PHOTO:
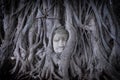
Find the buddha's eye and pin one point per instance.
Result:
(90, 25)
(64, 38)
(56, 40)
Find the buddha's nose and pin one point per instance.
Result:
(61, 43)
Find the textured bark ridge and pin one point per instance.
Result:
(91, 52)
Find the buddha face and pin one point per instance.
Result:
(59, 42)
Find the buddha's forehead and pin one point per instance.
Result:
(61, 30)
(60, 35)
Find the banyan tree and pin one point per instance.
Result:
(30, 30)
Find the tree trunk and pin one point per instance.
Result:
(91, 52)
